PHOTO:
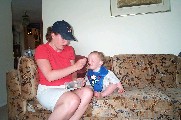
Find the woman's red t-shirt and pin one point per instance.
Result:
(58, 60)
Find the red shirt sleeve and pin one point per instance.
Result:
(72, 53)
(41, 52)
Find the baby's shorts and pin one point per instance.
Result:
(48, 95)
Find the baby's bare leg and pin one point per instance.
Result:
(121, 89)
(110, 89)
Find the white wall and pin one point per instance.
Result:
(96, 30)
(6, 46)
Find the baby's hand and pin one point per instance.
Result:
(120, 91)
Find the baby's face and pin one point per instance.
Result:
(94, 62)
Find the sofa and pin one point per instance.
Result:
(152, 84)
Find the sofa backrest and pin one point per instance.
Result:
(141, 70)
(108, 62)
(178, 76)
(28, 76)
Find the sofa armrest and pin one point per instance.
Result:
(27, 69)
(16, 105)
(13, 84)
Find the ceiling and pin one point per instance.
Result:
(33, 8)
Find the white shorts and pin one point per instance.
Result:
(48, 95)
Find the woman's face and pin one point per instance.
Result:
(94, 62)
(59, 42)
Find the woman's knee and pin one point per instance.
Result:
(87, 92)
(69, 100)
(74, 101)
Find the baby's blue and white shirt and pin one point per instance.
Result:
(101, 80)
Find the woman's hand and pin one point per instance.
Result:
(80, 63)
(83, 81)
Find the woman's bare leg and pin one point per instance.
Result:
(85, 94)
(65, 107)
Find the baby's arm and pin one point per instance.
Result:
(114, 80)
(121, 89)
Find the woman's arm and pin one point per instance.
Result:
(74, 74)
(52, 75)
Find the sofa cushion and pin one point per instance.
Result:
(16, 108)
(135, 103)
(41, 115)
(175, 96)
(34, 106)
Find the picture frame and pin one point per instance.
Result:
(138, 9)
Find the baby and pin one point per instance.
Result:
(102, 80)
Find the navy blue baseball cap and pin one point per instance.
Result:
(64, 29)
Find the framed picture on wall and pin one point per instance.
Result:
(121, 8)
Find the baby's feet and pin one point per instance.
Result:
(121, 91)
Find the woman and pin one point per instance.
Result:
(55, 61)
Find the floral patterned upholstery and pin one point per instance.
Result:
(152, 89)
(152, 83)
(178, 75)
(22, 87)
